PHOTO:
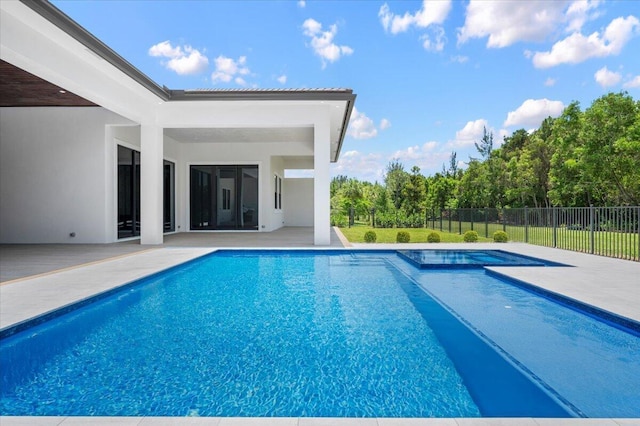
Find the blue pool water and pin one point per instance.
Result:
(445, 259)
(321, 334)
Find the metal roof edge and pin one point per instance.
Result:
(80, 34)
(263, 95)
(345, 125)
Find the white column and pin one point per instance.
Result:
(151, 176)
(321, 179)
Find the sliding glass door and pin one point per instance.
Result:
(168, 196)
(129, 193)
(224, 197)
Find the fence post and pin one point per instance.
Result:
(554, 224)
(449, 220)
(591, 229)
(526, 224)
(459, 223)
(440, 219)
(373, 217)
(351, 219)
(504, 221)
(486, 222)
(638, 225)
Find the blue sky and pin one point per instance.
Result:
(429, 75)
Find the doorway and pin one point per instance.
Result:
(224, 197)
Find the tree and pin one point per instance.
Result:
(474, 187)
(413, 192)
(610, 152)
(395, 180)
(442, 192)
(567, 183)
(486, 144)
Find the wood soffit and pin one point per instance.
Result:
(19, 88)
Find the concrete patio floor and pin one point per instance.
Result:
(23, 260)
(55, 276)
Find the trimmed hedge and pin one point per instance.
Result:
(500, 237)
(470, 237)
(403, 237)
(433, 237)
(370, 237)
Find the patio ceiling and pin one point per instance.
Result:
(18, 88)
(235, 135)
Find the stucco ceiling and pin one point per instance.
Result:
(209, 135)
(19, 88)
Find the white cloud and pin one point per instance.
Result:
(508, 22)
(427, 157)
(634, 82)
(415, 153)
(472, 132)
(302, 4)
(459, 59)
(527, 20)
(322, 41)
(369, 167)
(384, 124)
(533, 111)
(580, 12)
(578, 48)
(282, 79)
(606, 78)
(183, 60)
(361, 126)
(431, 12)
(549, 82)
(228, 69)
(434, 43)
(165, 49)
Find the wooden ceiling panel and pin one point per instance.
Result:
(19, 88)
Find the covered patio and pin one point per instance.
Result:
(18, 261)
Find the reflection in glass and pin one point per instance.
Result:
(224, 197)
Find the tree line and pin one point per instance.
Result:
(578, 159)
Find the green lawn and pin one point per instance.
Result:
(611, 244)
(355, 234)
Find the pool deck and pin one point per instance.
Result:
(39, 279)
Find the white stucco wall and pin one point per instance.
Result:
(53, 174)
(297, 201)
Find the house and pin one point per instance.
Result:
(93, 151)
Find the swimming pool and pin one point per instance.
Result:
(317, 334)
(447, 259)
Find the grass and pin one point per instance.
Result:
(611, 244)
(355, 234)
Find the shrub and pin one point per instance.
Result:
(500, 237)
(403, 237)
(370, 237)
(339, 220)
(384, 220)
(470, 237)
(433, 237)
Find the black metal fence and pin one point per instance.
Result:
(606, 231)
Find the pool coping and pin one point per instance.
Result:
(138, 267)
(311, 421)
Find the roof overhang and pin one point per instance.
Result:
(40, 39)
